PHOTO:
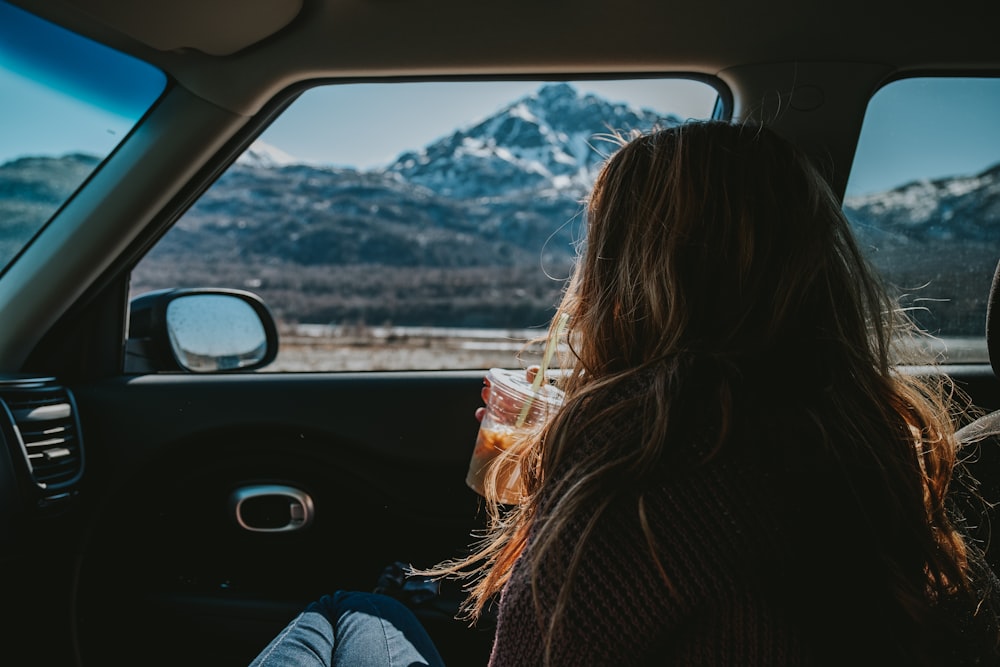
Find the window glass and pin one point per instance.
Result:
(412, 225)
(67, 102)
(924, 197)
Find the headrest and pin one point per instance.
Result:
(993, 322)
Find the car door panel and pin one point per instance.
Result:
(382, 456)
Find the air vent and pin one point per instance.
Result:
(45, 425)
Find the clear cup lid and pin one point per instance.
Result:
(516, 383)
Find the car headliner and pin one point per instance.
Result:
(282, 41)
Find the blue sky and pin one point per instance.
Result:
(919, 128)
(927, 128)
(368, 125)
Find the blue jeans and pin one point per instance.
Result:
(355, 629)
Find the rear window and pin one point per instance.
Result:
(924, 198)
(413, 225)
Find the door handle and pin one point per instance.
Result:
(271, 508)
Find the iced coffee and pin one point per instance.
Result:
(516, 410)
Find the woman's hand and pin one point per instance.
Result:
(485, 393)
(530, 372)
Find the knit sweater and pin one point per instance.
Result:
(746, 582)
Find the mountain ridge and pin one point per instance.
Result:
(498, 203)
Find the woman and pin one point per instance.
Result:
(738, 475)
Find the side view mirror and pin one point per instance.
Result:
(199, 330)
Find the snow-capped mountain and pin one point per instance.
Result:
(935, 242)
(263, 154)
(963, 208)
(552, 141)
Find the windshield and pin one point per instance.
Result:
(67, 103)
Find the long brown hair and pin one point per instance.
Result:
(717, 257)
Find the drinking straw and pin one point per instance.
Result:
(536, 384)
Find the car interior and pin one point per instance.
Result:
(179, 475)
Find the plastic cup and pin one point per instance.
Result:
(503, 425)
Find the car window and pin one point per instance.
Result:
(924, 198)
(67, 103)
(412, 225)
